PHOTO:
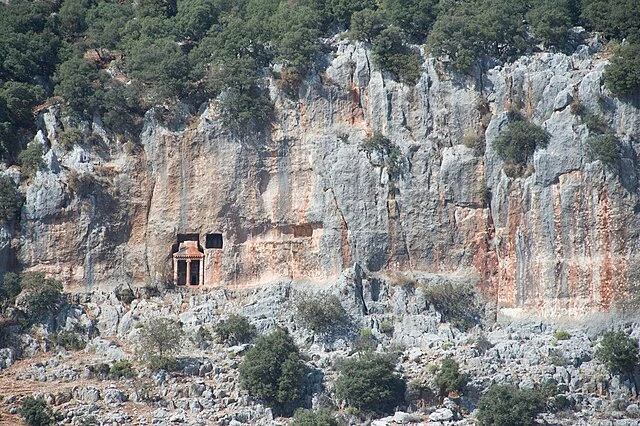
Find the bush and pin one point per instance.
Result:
(622, 75)
(604, 147)
(519, 140)
(31, 159)
(69, 138)
(159, 337)
(121, 368)
(449, 378)
(506, 405)
(319, 417)
(44, 295)
(69, 340)
(366, 341)
(456, 303)
(618, 352)
(273, 372)
(320, 313)
(10, 199)
(235, 330)
(386, 327)
(166, 363)
(99, 371)
(370, 384)
(561, 335)
(387, 150)
(9, 288)
(36, 412)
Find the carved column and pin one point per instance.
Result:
(175, 271)
(188, 272)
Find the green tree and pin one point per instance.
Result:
(78, 82)
(618, 352)
(36, 412)
(366, 25)
(340, 11)
(321, 314)
(392, 53)
(43, 295)
(550, 21)
(9, 288)
(160, 336)
(273, 371)
(604, 147)
(622, 74)
(10, 199)
(506, 405)
(161, 65)
(449, 379)
(415, 17)
(31, 159)
(235, 330)
(517, 142)
(369, 383)
(465, 31)
(617, 19)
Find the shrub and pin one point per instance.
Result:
(456, 303)
(604, 147)
(36, 412)
(370, 384)
(166, 363)
(125, 295)
(387, 150)
(10, 199)
(31, 159)
(69, 340)
(320, 313)
(159, 337)
(618, 352)
(519, 140)
(449, 379)
(506, 405)
(595, 122)
(99, 371)
(319, 417)
(9, 288)
(202, 336)
(366, 341)
(69, 138)
(235, 330)
(273, 372)
(121, 368)
(386, 326)
(561, 335)
(622, 75)
(44, 295)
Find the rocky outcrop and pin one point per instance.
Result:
(304, 201)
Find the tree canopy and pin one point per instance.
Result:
(117, 59)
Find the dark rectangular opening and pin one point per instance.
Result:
(182, 272)
(195, 272)
(213, 241)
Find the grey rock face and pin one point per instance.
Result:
(304, 201)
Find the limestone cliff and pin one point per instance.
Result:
(305, 201)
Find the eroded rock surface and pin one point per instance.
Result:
(304, 201)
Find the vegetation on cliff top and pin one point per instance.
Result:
(116, 59)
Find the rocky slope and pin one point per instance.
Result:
(304, 201)
(205, 390)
